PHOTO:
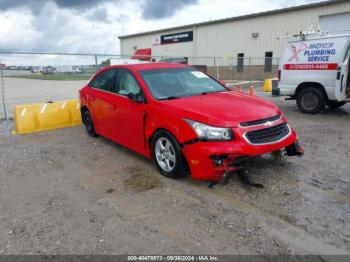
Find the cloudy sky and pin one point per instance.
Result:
(93, 26)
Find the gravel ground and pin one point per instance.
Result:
(62, 192)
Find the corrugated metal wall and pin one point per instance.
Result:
(230, 38)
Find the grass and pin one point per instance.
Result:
(141, 180)
(59, 77)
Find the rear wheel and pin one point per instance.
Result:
(311, 100)
(89, 124)
(335, 104)
(166, 154)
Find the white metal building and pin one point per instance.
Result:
(253, 35)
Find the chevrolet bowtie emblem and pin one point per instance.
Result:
(268, 123)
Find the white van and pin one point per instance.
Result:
(315, 72)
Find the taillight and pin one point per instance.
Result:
(279, 75)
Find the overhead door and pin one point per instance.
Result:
(336, 22)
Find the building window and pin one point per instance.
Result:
(240, 62)
(268, 61)
(186, 59)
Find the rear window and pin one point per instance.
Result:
(104, 81)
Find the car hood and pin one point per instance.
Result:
(225, 109)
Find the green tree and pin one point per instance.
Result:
(106, 62)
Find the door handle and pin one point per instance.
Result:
(341, 83)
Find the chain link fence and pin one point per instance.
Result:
(40, 77)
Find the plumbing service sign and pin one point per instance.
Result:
(311, 56)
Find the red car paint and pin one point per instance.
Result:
(132, 124)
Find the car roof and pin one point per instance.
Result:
(150, 66)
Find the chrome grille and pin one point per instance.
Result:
(268, 135)
(260, 122)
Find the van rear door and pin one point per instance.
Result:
(342, 79)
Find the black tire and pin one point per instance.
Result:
(311, 100)
(177, 168)
(89, 124)
(335, 104)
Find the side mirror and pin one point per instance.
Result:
(135, 98)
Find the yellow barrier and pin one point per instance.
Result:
(267, 87)
(46, 116)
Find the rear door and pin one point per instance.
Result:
(100, 101)
(342, 82)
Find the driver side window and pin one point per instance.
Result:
(127, 84)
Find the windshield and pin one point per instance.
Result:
(179, 82)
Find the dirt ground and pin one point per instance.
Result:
(62, 192)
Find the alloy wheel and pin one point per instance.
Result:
(165, 154)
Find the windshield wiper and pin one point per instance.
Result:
(212, 92)
(169, 98)
(202, 93)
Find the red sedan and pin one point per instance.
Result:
(183, 119)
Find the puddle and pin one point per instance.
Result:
(140, 180)
(340, 198)
(110, 190)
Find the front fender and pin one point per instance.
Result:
(175, 125)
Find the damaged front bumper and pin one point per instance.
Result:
(295, 149)
(213, 161)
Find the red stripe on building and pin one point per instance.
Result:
(310, 66)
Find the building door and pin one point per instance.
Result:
(240, 62)
(336, 22)
(268, 61)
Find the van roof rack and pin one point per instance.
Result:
(304, 34)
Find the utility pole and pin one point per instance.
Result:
(96, 63)
(2, 87)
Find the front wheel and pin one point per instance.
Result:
(311, 100)
(166, 154)
(335, 104)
